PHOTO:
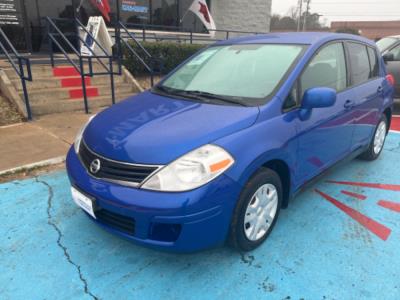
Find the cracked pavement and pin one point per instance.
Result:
(49, 249)
(60, 236)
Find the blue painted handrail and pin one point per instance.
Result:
(53, 32)
(18, 67)
(147, 55)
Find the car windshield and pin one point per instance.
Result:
(245, 73)
(385, 43)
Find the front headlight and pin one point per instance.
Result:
(79, 135)
(192, 170)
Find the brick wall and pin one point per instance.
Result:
(242, 15)
(370, 29)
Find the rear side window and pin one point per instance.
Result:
(326, 69)
(359, 62)
(373, 60)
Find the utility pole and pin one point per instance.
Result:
(306, 15)
(300, 8)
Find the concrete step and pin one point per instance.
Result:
(58, 94)
(47, 70)
(75, 104)
(60, 89)
(58, 82)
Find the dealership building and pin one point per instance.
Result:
(24, 23)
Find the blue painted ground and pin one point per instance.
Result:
(50, 250)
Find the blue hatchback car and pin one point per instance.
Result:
(221, 144)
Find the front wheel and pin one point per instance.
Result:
(257, 210)
(378, 141)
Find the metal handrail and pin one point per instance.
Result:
(98, 57)
(79, 24)
(190, 32)
(183, 29)
(54, 40)
(19, 69)
(80, 69)
(150, 69)
(134, 39)
(137, 56)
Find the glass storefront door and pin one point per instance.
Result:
(13, 22)
(37, 10)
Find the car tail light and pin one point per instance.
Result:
(390, 79)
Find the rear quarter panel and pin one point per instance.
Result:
(389, 91)
(393, 67)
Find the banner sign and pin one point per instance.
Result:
(138, 8)
(133, 6)
(98, 29)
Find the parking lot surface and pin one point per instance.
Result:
(339, 239)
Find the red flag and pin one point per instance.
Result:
(104, 7)
(200, 9)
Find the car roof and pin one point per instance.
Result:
(393, 36)
(308, 38)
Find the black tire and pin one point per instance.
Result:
(237, 236)
(370, 154)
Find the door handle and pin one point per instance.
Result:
(348, 104)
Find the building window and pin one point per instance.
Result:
(161, 13)
(164, 12)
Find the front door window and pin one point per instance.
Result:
(327, 69)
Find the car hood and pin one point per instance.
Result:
(153, 129)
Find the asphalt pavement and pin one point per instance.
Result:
(339, 239)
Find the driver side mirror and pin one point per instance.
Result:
(318, 97)
(388, 57)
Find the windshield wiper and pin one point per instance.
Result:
(197, 95)
(164, 89)
(172, 92)
(212, 96)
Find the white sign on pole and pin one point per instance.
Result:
(98, 29)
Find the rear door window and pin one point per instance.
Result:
(359, 62)
(373, 60)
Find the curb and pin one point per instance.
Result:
(12, 125)
(43, 163)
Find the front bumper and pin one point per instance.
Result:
(180, 222)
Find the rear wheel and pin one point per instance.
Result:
(378, 141)
(257, 210)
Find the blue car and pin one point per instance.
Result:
(215, 150)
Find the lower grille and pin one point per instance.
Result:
(116, 221)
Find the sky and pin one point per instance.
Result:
(342, 10)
